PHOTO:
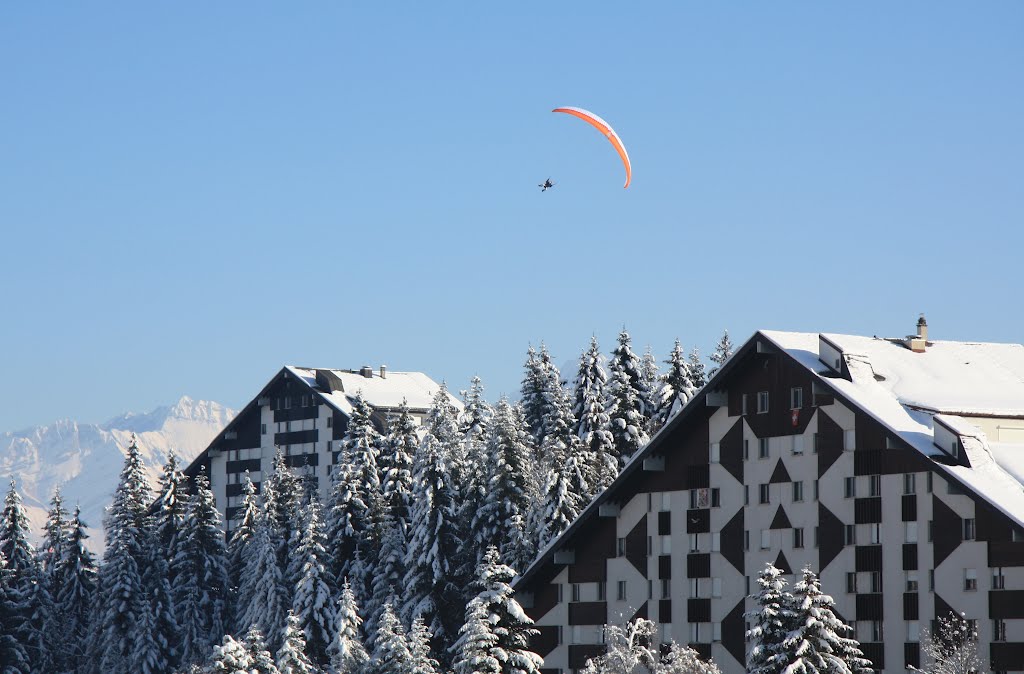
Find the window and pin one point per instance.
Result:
(650, 545)
(577, 634)
(969, 529)
(601, 591)
(798, 492)
(851, 583)
(998, 630)
(913, 631)
(666, 500)
(970, 580)
(764, 493)
(716, 497)
(875, 533)
(746, 585)
(650, 589)
(762, 448)
(715, 451)
(998, 579)
(798, 444)
(909, 483)
(716, 587)
(798, 538)
(910, 532)
(928, 483)
(849, 534)
(620, 547)
(716, 631)
(664, 633)
(716, 542)
(666, 545)
(766, 539)
(693, 499)
(746, 541)
(694, 633)
(746, 449)
(911, 581)
(666, 588)
(694, 542)
(849, 440)
(560, 594)
(695, 588)
(330, 421)
(815, 443)
(796, 398)
(875, 632)
(815, 490)
(850, 487)
(263, 429)
(874, 485)
(931, 527)
(744, 410)
(815, 536)
(650, 501)
(746, 494)
(620, 590)
(762, 402)
(931, 580)
(876, 581)
(575, 591)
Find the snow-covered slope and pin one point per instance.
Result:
(86, 459)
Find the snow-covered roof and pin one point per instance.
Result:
(949, 383)
(416, 388)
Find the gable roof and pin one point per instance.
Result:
(898, 388)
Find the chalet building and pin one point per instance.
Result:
(305, 412)
(892, 467)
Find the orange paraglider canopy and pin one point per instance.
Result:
(609, 133)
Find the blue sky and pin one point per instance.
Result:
(195, 194)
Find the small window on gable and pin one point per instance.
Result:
(743, 404)
(762, 402)
(796, 398)
(715, 452)
(849, 440)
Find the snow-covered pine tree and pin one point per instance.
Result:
(676, 385)
(76, 598)
(256, 647)
(816, 643)
(555, 409)
(396, 465)
(509, 624)
(312, 606)
(148, 657)
(650, 389)
(13, 656)
(532, 392)
(627, 422)
(264, 598)
(391, 654)
(389, 571)
(772, 620)
(356, 501)
(566, 494)
(697, 372)
(201, 570)
(129, 532)
(55, 536)
(723, 350)
(593, 425)
(502, 518)
(292, 658)
(230, 657)
(158, 643)
(476, 641)
(238, 548)
(348, 655)
(474, 428)
(475, 418)
(419, 648)
(433, 545)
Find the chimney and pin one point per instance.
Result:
(917, 343)
(383, 371)
(366, 371)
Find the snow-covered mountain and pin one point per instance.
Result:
(86, 459)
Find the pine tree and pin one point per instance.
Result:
(201, 570)
(231, 657)
(256, 647)
(292, 658)
(312, 606)
(773, 620)
(723, 350)
(650, 389)
(389, 571)
(13, 656)
(391, 654)
(566, 494)
(433, 546)
(55, 536)
(121, 592)
(628, 426)
(593, 425)
(157, 644)
(474, 427)
(532, 393)
(419, 649)
(265, 599)
(238, 549)
(697, 374)
(816, 644)
(677, 385)
(356, 501)
(509, 626)
(76, 597)
(348, 655)
(510, 491)
(396, 465)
